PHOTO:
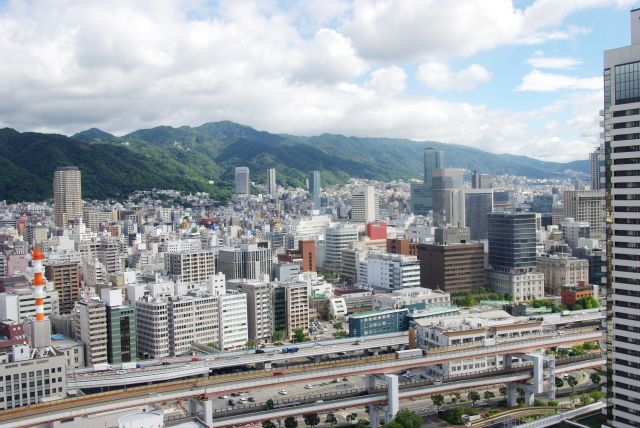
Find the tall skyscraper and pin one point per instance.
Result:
(314, 189)
(433, 159)
(622, 148)
(67, 195)
(448, 197)
(587, 205)
(272, 188)
(596, 166)
(365, 205)
(478, 203)
(242, 180)
(421, 193)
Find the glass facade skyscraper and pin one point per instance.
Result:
(512, 242)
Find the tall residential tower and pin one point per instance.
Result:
(67, 198)
(622, 151)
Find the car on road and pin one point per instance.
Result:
(437, 382)
(283, 392)
(231, 403)
(308, 386)
(243, 400)
(251, 399)
(223, 397)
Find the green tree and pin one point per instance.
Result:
(278, 336)
(337, 325)
(362, 424)
(290, 422)
(331, 419)
(394, 424)
(469, 300)
(311, 419)
(503, 391)
(585, 399)
(268, 424)
(438, 400)
(572, 381)
(595, 378)
(573, 397)
(596, 395)
(269, 404)
(351, 417)
(408, 419)
(488, 395)
(340, 334)
(299, 335)
(559, 382)
(589, 346)
(473, 396)
(250, 344)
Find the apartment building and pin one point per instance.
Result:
(90, 321)
(190, 267)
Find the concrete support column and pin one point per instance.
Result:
(393, 397)
(192, 406)
(374, 416)
(550, 372)
(512, 394)
(207, 413)
(316, 359)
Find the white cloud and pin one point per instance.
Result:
(388, 81)
(438, 76)
(66, 68)
(392, 30)
(553, 62)
(538, 81)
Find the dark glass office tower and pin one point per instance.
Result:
(512, 242)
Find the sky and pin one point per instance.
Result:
(518, 77)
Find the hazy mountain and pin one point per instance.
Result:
(203, 158)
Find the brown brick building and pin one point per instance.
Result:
(453, 267)
(401, 246)
(66, 281)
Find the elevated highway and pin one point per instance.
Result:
(223, 384)
(82, 379)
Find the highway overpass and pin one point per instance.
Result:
(223, 384)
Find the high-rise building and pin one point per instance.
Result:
(433, 159)
(512, 256)
(232, 313)
(307, 250)
(478, 203)
(272, 187)
(121, 327)
(290, 307)
(448, 197)
(66, 281)
(481, 181)
(455, 267)
(245, 262)
(259, 307)
(152, 327)
(337, 239)
(191, 266)
(90, 320)
(365, 205)
(596, 166)
(67, 195)
(392, 271)
(242, 180)
(314, 189)
(421, 193)
(587, 205)
(622, 147)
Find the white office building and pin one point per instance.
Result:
(393, 271)
(232, 313)
(338, 238)
(365, 205)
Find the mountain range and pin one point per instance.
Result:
(203, 158)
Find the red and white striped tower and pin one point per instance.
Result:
(38, 282)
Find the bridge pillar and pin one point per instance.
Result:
(316, 359)
(537, 360)
(393, 397)
(550, 372)
(207, 413)
(374, 415)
